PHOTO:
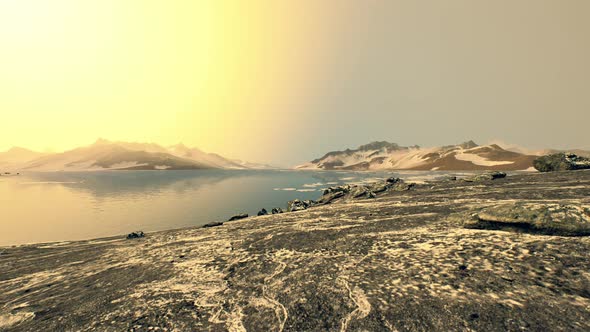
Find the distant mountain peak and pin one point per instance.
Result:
(102, 141)
(468, 145)
(378, 145)
(15, 149)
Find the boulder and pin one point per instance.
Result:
(212, 224)
(295, 205)
(329, 197)
(532, 217)
(561, 162)
(262, 212)
(485, 177)
(135, 235)
(309, 203)
(238, 216)
(338, 189)
(277, 210)
(364, 191)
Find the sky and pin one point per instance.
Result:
(284, 82)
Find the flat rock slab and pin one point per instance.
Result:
(393, 263)
(533, 217)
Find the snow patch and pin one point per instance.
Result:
(479, 160)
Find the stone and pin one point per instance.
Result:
(213, 224)
(238, 216)
(488, 176)
(277, 210)
(295, 205)
(135, 235)
(561, 162)
(536, 218)
(262, 212)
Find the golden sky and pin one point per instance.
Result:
(200, 72)
(283, 81)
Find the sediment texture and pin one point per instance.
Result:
(403, 261)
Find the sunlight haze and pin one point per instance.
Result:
(285, 81)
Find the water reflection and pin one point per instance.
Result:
(63, 206)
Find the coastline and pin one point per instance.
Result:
(398, 261)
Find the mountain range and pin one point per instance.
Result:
(390, 156)
(108, 155)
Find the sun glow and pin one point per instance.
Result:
(204, 72)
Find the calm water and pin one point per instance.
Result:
(64, 206)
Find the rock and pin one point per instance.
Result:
(394, 180)
(485, 177)
(262, 212)
(371, 194)
(295, 205)
(343, 189)
(561, 162)
(328, 198)
(277, 210)
(239, 216)
(529, 217)
(380, 187)
(309, 203)
(135, 235)
(212, 224)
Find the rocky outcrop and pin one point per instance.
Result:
(135, 235)
(485, 177)
(213, 224)
(277, 210)
(561, 162)
(262, 212)
(531, 217)
(238, 216)
(348, 192)
(297, 205)
(395, 263)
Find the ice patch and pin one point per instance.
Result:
(313, 185)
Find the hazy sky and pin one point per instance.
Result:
(286, 81)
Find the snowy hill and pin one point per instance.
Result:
(385, 155)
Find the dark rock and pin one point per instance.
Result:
(277, 210)
(380, 187)
(212, 224)
(359, 191)
(328, 198)
(239, 216)
(485, 177)
(309, 203)
(135, 235)
(295, 205)
(262, 212)
(338, 189)
(393, 180)
(561, 162)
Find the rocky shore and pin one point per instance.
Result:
(489, 253)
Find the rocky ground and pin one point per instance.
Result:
(422, 259)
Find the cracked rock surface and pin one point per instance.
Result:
(397, 262)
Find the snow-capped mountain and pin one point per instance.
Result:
(108, 155)
(385, 155)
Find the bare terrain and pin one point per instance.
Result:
(422, 259)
